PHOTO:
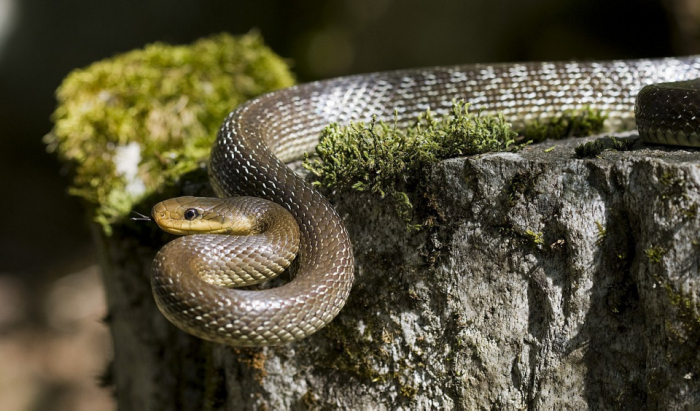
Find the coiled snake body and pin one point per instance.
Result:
(192, 274)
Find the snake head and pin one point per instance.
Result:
(200, 215)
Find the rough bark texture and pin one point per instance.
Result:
(546, 282)
(156, 366)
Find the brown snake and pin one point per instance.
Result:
(192, 274)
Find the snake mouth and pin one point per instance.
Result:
(169, 224)
(162, 218)
(176, 231)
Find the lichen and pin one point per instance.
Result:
(132, 123)
(594, 148)
(254, 359)
(570, 123)
(387, 160)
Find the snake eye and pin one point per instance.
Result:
(191, 214)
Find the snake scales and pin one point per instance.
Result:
(192, 274)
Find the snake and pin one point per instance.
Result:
(267, 216)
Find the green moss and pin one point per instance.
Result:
(687, 321)
(602, 233)
(570, 123)
(668, 178)
(673, 189)
(388, 161)
(593, 149)
(132, 123)
(687, 315)
(678, 300)
(536, 238)
(655, 254)
(408, 391)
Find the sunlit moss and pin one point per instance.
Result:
(536, 238)
(386, 159)
(128, 124)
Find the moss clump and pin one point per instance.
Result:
(409, 391)
(131, 123)
(389, 161)
(536, 238)
(571, 123)
(655, 254)
(593, 149)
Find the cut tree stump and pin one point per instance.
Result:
(545, 282)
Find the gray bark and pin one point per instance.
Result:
(547, 282)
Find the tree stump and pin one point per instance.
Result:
(547, 282)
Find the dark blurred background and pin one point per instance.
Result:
(44, 240)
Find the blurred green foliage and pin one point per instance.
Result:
(570, 123)
(129, 124)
